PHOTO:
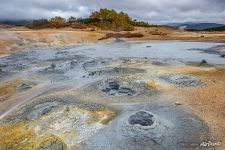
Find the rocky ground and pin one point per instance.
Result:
(80, 98)
(17, 38)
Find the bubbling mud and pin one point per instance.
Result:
(117, 86)
(142, 118)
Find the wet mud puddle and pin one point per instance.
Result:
(100, 96)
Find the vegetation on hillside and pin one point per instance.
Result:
(140, 23)
(104, 18)
(39, 24)
(122, 35)
(216, 29)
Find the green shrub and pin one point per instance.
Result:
(104, 18)
(110, 19)
(71, 20)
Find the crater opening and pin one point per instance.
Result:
(142, 118)
(114, 88)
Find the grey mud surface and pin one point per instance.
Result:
(169, 127)
(219, 50)
(109, 77)
(117, 86)
(47, 104)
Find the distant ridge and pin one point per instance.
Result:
(196, 26)
(15, 22)
(216, 29)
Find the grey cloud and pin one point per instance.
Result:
(155, 11)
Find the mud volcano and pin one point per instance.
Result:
(145, 126)
(123, 86)
(151, 127)
(182, 80)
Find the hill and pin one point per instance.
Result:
(15, 22)
(196, 26)
(216, 29)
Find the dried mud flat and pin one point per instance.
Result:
(81, 98)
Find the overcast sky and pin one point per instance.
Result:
(154, 11)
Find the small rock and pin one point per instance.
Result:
(67, 109)
(53, 65)
(25, 86)
(178, 103)
(114, 85)
(73, 63)
(3, 65)
(1, 99)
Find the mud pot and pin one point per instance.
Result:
(119, 95)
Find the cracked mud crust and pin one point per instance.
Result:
(180, 80)
(115, 71)
(72, 122)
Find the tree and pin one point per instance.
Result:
(57, 22)
(110, 19)
(72, 20)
